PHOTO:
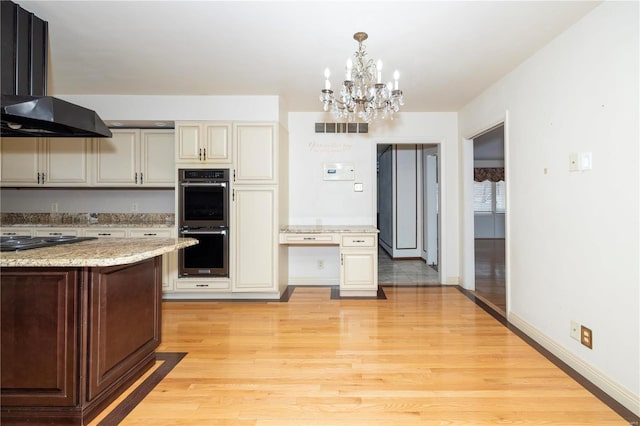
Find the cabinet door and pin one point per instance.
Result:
(66, 161)
(255, 153)
(19, 161)
(188, 135)
(255, 239)
(157, 157)
(217, 146)
(359, 269)
(40, 337)
(117, 158)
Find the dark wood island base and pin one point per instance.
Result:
(74, 338)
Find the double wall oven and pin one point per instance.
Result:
(203, 214)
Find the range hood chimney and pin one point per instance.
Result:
(26, 110)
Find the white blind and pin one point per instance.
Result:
(489, 197)
(483, 196)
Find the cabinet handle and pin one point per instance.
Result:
(103, 234)
(233, 195)
(42, 177)
(204, 155)
(38, 175)
(55, 233)
(202, 285)
(150, 234)
(358, 241)
(234, 175)
(342, 260)
(200, 154)
(141, 179)
(136, 177)
(9, 233)
(309, 238)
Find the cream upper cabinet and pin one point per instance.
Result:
(203, 142)
(157, 166)
(255, 231)
(134, 157)
(19, 161)
(66, 161)
(255, 153)
(44, 161)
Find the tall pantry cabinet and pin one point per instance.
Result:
(256, 205)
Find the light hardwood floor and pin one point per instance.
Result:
(423, 356)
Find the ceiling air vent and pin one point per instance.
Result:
(342, 127)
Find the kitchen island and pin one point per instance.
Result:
(80, 323)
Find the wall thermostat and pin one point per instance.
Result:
(339, 171)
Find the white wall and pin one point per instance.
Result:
(573, 236)
(314, 201)
(133, 107)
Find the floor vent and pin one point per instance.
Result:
(342, 127)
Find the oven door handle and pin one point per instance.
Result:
(218, 184)
(221, 232)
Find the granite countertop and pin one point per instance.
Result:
(98, 252)
(322, 229)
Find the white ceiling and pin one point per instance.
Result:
(447, 52)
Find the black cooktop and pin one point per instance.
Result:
(20, 242)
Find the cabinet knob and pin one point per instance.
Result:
(141, 179)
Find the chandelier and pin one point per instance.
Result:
(363, 95)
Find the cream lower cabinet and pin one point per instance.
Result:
(359, 265)
(254, 233)
(44, 161)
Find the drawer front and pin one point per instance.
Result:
(15, 232)
(57, 232)
(187, 284)
(358, 241)
(307, 239)
(160, 233)
(105, 233)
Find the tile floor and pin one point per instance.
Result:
(404, 271)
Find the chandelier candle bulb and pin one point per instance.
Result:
(379, 67)
(396, 77)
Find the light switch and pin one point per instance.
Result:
(358, 187)
(585, 161)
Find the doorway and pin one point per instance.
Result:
(489, 210)
(408, 214)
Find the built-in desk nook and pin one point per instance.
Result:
(358, 253)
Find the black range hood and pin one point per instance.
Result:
(26, 110)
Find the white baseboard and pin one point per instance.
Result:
(616, 391)
(313, 281)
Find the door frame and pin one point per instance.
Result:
(468, 226)
(442, 215)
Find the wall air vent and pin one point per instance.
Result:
(342, 127)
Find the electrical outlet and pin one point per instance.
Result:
(54, 207)
(586, 337)
(134, 207)
(320, 264)
(574, 332)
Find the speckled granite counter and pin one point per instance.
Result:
(99, 252)
(338, 229)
